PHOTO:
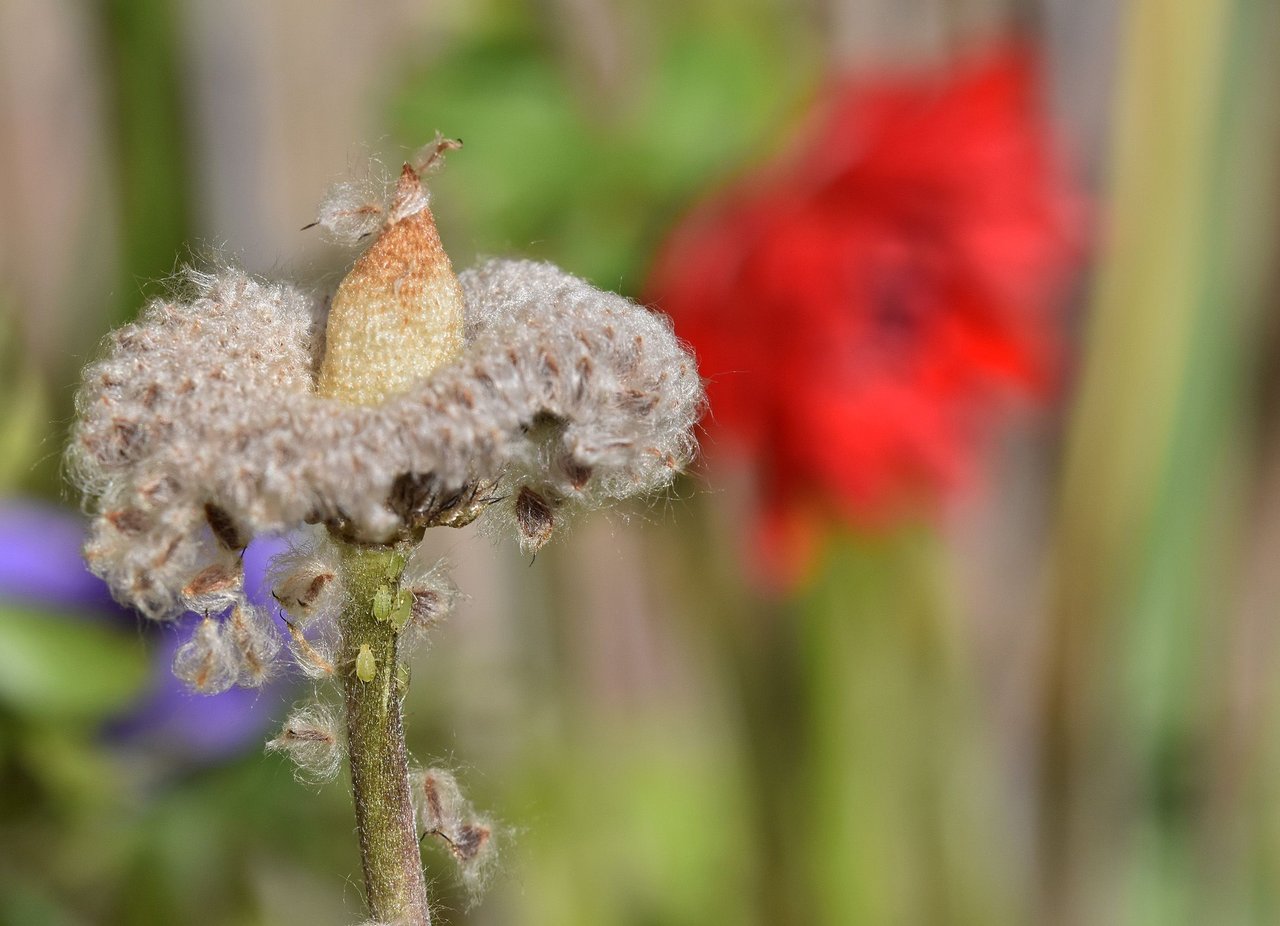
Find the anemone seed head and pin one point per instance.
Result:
(434, 401)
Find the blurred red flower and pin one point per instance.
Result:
(866, 306)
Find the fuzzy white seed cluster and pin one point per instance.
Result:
(311, 737)
(238, 649)
(446, 815)
(161, 541)
(201, 427)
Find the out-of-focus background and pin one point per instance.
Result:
(968, 613)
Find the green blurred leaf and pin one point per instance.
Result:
(143, 85)
(550, 172)
(23, 905)
(54, 666)
(24, 415)
(643, 825)
(22, 427)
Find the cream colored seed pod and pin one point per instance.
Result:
(398, 315)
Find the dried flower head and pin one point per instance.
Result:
(410, 399)
(515, 388)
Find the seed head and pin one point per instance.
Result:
(514, 392)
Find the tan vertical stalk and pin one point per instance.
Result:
(1141, 336)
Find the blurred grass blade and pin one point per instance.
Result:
(1148, 478)
(899, 795)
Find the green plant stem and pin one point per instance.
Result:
(394, 884)
(1146, 482)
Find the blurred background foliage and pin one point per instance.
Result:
(1051, 702)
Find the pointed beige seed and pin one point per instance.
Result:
(398, 315)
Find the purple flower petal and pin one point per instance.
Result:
(172, 720)
(41, 564)
(40, 561)
(201, 728)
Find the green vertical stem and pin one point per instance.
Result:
(757, 643)
(394, 884)
(762, 660)
(894, 779)
(152, 156)
(1143, 489)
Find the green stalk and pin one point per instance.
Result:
(145, 66)
(394, 884)
(1148, 485)
(892, 768)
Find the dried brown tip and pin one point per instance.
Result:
(431, 156)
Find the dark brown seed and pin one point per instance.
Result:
(124, 440)
(223, 527)
(301, 734)
(301, 591)
(535, 518)
(213, 579)
(415, 497)
(469, 841)
(312, 591)
(545, 425)
(128, 520)
(578, 474)
(421, 500)
(425, 609)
